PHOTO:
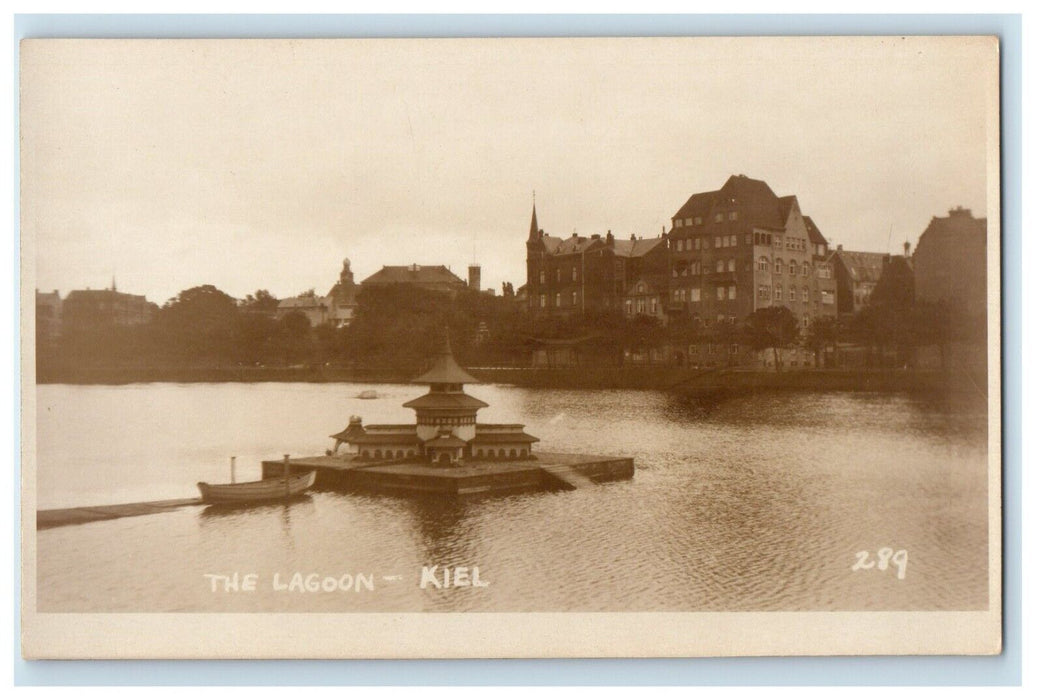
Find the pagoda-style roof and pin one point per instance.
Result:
(445, 370)
(354, 430)
(455, 400)
(386, 439)
(497, 438)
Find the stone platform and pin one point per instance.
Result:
(544, 471)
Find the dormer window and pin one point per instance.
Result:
(698, 220)
(733, 215)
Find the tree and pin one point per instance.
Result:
(260, 301)
(772, 327)
(823, 333)
(199, 324)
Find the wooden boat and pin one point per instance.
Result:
(264, 490)
(367, 394)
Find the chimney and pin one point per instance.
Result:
(906, 246)
(633, 236)
(840, 247)
(664, 230)
(609, 237)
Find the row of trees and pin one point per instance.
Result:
(400, 326)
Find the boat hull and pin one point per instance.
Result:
(264, 490)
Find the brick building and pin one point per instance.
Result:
(950, 262)
(741, 248)
(857, 274)
(581, 274)
(92, 308)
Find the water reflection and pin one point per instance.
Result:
(748, 503)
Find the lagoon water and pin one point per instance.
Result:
(757, 503)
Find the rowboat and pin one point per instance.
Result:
(264, 490)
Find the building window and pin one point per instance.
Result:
(804, 295)
(629, 305)
(762, 264)
(543, 301)
(827, 297)
(793, 267)
(678, 223)
(720, 265)
(804, 268)
(735, 349)
(718, 217)
(543, 277)
(695, 268)
(731, 265)
(733, 215)
(777, 240)
(749, 239)
(696, 293)
(716, 241)
(688, 222)
(640, 306)
(734, 241)
(824, 272)
(557, 299)
(557, 275)
(778, 266)
(792, 294)
(731, 292)
(778, 292)
(720, 293)
(695, 244)
(698, 220)
(652, 305)
(807, 321)
(575, 298)
(575, 272)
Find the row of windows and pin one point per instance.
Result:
(387, 454)
(446, 420)
(558, 300)
(763, 264)
(501, 453)
(698, 220)
(694, 267)
(557, 275)
(651, 305)
(683, 244)
(764, 292)
(695, 294)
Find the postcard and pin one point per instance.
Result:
(470, 348)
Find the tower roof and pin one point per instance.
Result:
(534, 229)
(445, 370)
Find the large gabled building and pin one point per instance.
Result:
(741, 248)
(577, 274)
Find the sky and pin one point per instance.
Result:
(263, 164)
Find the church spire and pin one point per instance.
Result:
(534, 229)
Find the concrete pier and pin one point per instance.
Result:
(77, 516)
(541, 472)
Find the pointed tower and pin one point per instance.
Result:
(534, 229)
(445, 415)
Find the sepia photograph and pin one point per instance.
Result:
(420, 348)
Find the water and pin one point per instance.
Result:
(759, 503)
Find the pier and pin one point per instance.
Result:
(543, 471)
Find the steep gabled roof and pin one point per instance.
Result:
(757, 202)
(862, 267)
(627, 248)
(813, 232)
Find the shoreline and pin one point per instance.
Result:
(676, 380)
